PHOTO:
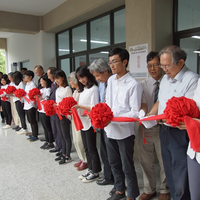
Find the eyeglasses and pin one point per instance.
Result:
(114, 62)
(154, 65)
(165, 66)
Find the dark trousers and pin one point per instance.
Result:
(120, 155)
(174, 144)
(21, 113)
(7, 111)
(63, 126)
(31, 116)
(2, 115)
(56, 134)
(89, 143)
(46, 124)
(194, 178)
(104, 157)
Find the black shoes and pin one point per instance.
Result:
(17, 129)
(104, 182)
(112, 192)
(58, 154)
(65, 160)
(59, 158)
(48, 146)
(53, 150)
(117, 196)
(44, 145)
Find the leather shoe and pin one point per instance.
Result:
(145, 196)
(82, 166)
(104, 182)
(53, 150)
(164, 196)
(78, 163)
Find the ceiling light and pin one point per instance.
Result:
(94, 41)
(198, 50)
(196, 37)
(104, 52)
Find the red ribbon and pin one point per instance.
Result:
(26, 99)
(57, 112)
(38, 103)
(77, 121)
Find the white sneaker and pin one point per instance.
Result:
(6, 126)
(21, 131)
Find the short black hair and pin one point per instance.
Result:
(24, 68)
(52, 70)
(83, 71)
(152, 55)
(29, 73)
(45, 78)
(17, 77)
(39, 67)
(123, 54)
(5, 77)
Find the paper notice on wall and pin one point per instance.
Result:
(137, 63)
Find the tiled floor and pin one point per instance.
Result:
(29, 173)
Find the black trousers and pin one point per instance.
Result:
(7, 111)
(104, 157)
(21, 113)
(46, 124)
(89, 143)
(2, 115)
(31, 116)
(56, 134)
(120, 155)
(63, 127)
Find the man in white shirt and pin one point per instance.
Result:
(123, 96)
(178, 81)
(147, 151)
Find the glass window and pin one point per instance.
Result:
(188, 14)
(63, 43)
(95, 56)
(65, 66)
(119, 26)
(189, 45)
(80, 60)
(100, 32)
(79, 38)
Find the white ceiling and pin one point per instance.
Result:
(32, 7)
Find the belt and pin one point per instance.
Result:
(167, 127)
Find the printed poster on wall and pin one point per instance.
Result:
(137, 64)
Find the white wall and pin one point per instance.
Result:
(39, 49)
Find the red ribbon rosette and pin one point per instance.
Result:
(49, 107)
(2, 91)
(33, 95)
(10, 89)
(177, 108)
(19, 93)
(65, 105)
(101, 115)
(65, 108)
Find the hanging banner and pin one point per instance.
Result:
(137, 64)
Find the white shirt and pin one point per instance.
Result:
(4, 95)
(183, 84)
(21, 86)
(123, 96)
(149, 86)
(190, 152)
(89, 97)
(45, 95)
(62, 92)
(29, 86)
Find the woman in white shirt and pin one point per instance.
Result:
(6, 104)
(45, 120)
(63, 125)
(78, 143)
(89, 96)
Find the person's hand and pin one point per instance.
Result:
(55, 104)
(107, 124)
(76, 106)
(182, 126)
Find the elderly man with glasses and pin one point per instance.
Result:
(178, 81)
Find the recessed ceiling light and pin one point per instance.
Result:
(196, 37)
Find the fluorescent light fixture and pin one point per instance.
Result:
(197, 51)
(94, 41)
(104, 52)
(196, 37)
(65, 50)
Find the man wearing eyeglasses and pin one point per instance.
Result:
(123, 96)
(147, 151)
(178, 81)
